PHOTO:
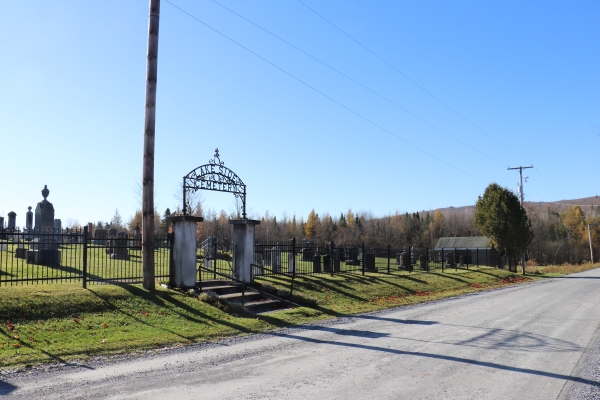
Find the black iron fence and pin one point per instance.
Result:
(28, 257)
(296, 259)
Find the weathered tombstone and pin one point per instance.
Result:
(118, 248)
(210, 252)
(305, 243)
(29, 219)
(12, 221)
(100, 237)
(1, 223)
(316, 263)
(450, 260)
(276, 265)
(398, 258)
(405, 261)
(352, 258)
(370, 262)
(423, 265)
(57, 227)
(44, 214)
(307, 254)
(291, 263)
(137, 237)
(90, 229)
(327, 263)
(337, 257)
(461, 261)
(112, 232)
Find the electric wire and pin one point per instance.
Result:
(407, 77)
(419, 86)
(323, 94)
(356, 82)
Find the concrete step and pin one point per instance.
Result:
(253, 300)
(238, 298)
(264, 305)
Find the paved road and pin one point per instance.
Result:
(523, 342)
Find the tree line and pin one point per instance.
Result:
(557, 236)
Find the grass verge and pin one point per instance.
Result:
(63, 322)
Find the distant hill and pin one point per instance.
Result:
(586, 204)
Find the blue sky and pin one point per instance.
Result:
(498, 84)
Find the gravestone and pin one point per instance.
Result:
(1, 223)
(44, 214)
(112, 232)
(210, 252)
(137, 237)
(327, 262)
(291, 263)
(307, 254)
(305, 243)
(370, 263)
(423, 264)
(29, 219)
(117, 247)
(352, 258)
(450, 260)
(316, 263)
(276, 265)
(12, 221)
(337, 258)
(57, 226)
(100, 237)
(405, 261)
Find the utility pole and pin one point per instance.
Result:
(521, 195)
(591, 250)
(148, 169)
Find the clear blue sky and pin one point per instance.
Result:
(520, 81)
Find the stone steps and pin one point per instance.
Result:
(254, 301)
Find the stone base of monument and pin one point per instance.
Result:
(44, 257)
(120, 254)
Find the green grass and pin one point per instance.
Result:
(62, 322)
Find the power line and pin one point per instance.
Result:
(356, 82)
(322, 94)
(408, 78)
(419, 86)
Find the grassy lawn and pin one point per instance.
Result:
(63, 322)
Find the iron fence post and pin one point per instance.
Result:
(388, 258)
(293, 265)
(363, 260)
(442, 259)
(85, 251)
(331, 259)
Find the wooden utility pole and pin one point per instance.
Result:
(148, 169)
(523, 264)
(591, 249)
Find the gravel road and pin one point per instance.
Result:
(531, 341)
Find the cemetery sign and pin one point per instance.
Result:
(213, 176)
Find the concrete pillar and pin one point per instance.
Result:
(183, 257)
(243, 244)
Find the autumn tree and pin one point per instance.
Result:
(500, 216)
(311, 228)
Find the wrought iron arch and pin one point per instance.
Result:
(214, 176)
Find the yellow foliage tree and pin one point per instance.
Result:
(311, 227)
(574, 222)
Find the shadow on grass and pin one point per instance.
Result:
(160, 298)
(444, 275)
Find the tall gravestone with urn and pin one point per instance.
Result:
(44, 247)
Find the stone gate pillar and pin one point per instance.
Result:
(243, 248)
(183, 258)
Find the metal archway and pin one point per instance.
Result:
(214, 176)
